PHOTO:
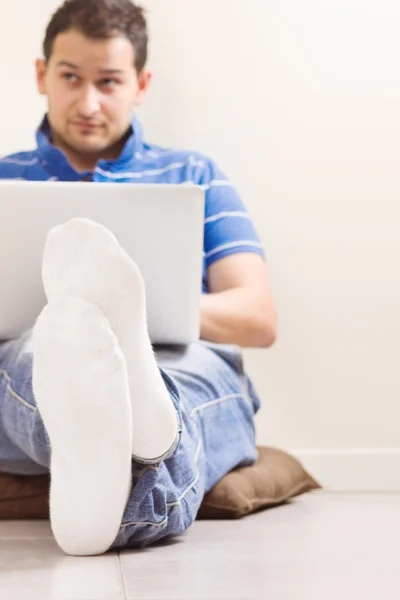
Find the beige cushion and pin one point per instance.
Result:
(274, 478)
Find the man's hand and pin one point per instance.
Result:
(239, 308)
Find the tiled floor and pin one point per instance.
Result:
(321, 547)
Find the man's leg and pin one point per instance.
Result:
(217, 405)
(98, 392)
(82, 259)
(24, 445)
(210, 392)
(217, 430)
(78, 420)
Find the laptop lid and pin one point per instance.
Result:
(161, 227)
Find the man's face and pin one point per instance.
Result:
(92, 89)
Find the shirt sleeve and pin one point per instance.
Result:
(228, 228)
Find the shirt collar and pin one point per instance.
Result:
(55, 161)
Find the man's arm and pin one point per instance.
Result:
(239, 308)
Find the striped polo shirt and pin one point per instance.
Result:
(227, 226)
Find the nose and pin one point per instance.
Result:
(89, 103)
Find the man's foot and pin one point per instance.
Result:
(83, 259)
(80, 384)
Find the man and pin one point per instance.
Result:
(133, 441)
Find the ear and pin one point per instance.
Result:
(41, 69)
(144, 80)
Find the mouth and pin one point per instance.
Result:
(86, 126)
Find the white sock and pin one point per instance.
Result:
(81, 389)
(83, 259)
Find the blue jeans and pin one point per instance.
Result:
(216, 404)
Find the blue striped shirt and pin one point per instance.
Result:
(227, 226)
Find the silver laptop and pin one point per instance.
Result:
(160, 227)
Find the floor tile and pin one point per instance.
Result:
(317, 548)
(38, 570)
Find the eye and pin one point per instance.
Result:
(109, 83)
(70, 77)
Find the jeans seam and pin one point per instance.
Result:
(244, 396)
(178, 502)
(148, 468)
(216, 401)
(163, 522)
(14, 394)
(169, 505)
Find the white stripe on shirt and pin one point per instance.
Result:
(223, 215)
(154, 154)
(16, 161)
(233, 245)
(133, 175)
(25, 179)
(217, 183)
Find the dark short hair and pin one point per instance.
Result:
(101, 19)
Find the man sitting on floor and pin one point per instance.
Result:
(133, 438)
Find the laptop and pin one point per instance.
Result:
(160, 226)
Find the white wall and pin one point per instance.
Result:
(298, 100)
